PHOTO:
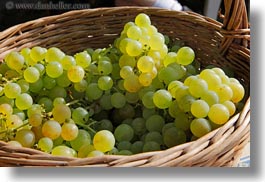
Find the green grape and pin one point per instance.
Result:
(146, 113)
(179, 69)
(126, 60)
(69, 131)
(105, 102)
(230, 106)
(155, 123)
(198, 87)
(128, 25)
(36, 86)
(151, 29)
(124, 145)
(83, 138)
(167, 75)
(200, 108)
(173, 86)
(148, 100)
(83, 59)
(12, 90)
(31, 74)
(93, 91)
(238, 92)
(51, 129)
(54, 54)
(132, 98)
(54, 69)
(191, 69)
(62, 151)
(124, 132)
(185, 102)
(104, 141)
(75, 73)
(155, 55)
(142, 20)
(126, 72)
(14, 143)
(95, 153)
(67, 62)
(174, 109)
(105, 124)
(182, 121)
(6, 109)
(138, 125)
(13, 121)
(118, 100)
(219, 114)
(5, 100)
(105, 67)
(123, 45)
(85, 150)
(200, 127)
(156, 41)
(80, 115)
(189, 79)
(137, 147)
(224, 92)
(185, 55)
(19, 113)
(154, 136)
(63, 80)
(174, 136)
(145, 64)
(134, 32)
(213, 80)
(24, 85)
(58, 100)
(151, 146)
(49, 82)
(105, 82)
(124, 152)
(61, 113)
(128, 111)
(162, 99)
(45, 144)
(81, 86)
(210, 97)
(23, 101)
(57, 91)
(145, 79)
(170, 58)
(132, 84)
(34, 109)
(46, 103)
(35, 120)
(15, 60)
(134, 48)
(25, 137)
(115, 74)
(11, 74)
(167, 126)
(37, 53)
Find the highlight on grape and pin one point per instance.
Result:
(145, 92)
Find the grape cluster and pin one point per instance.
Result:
(143, 93)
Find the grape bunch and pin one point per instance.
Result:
(143, 93)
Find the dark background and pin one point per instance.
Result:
(12, 17)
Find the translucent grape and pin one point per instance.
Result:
(171, 57)
(148, 100)
(14, 143)
(212, 79)
(85, 150)
(126, 72)
(210, 97)
(104, 141)
(145, 64)
(51, 129)
(23, 101)
(154, 136)
(224, 92)
(198, 87)
(174, 109)
(93, 91)
(230, 106)
(105, 82)
(162, 99)
(145, 79)
(185, 102)
(134, 32)
(36, 86)
(45, 144)
(95, 153)
(200, 127)
(132, 84)
(15, 60)
(6, 109)
(75, 73)
(54, 54)
(69, 131)
(48, 82)
(67, 62)
(185, 55)
(13, 121)
(156, 41)
(199, 109)
(105, 124)
(31, 74)
(173, 86)
(25, 137)
(63, 80)
(35, 120)
(46, 103)
(37, 53)
(126, 60)
(83, 138)
(54, 69)
(218, 114)
(81, 86)
(134, 48)
(105, 67)
(61, 113)
(12, 90)
(57, 91)
(62, 151)
(142, 20)
(167, 75)
(105, 102)
(238, 91)
(83, 59)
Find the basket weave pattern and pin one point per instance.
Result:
(221, 44)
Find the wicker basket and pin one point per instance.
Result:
(222, 44)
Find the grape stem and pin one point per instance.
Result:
(86, 126)
(12, 130)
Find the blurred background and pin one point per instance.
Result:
(13, 12)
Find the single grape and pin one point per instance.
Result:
(51, 129)
(13, 121)
(23, 101)
(138, 125)
(93, 91)
(185, 55)
(198, 87)
(162, 99)
(105, 82)
(137, 147)
(37, 53)
(145, 64)
(124, 132)
(142, 20)
(155, 123)
(199, 108)
(105, 67)
(6, 109)
(83, 59)
(154, 136)
(230, 106)
(134, 48)
(80, 115)
(69, 131)
(45, 144)
(67, 62)
(46, 103)
(151, 146)
(54, 54)
(132, 84)
(104, 141)
(218, 114)
(134, 32)
(63, 151)
(61, 113)
(126, 60)
(15, 60)
(200, 127)
(12, 90)
(83, 138)
(35, 120)
(118, 100)
(85, 150)
(238, 92)
(182, 121)
(25, 137)
(31, 74)
(81, 86)
(95, 153)
(75, 73)
(148, 100)
(124, 145)
(54, 69)
(174, 136)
